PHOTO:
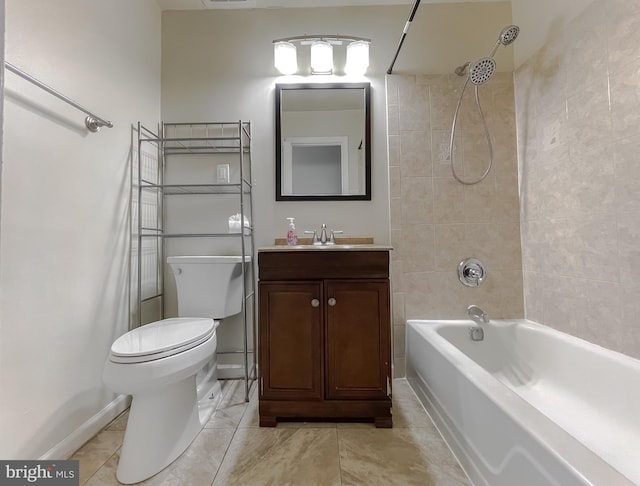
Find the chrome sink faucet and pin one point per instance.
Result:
(327, 237)
(477, 314)
(323, 235)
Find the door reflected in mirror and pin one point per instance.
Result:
(323, 139)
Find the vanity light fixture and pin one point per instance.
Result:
(321, 53)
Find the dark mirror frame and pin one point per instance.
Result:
(366, 87)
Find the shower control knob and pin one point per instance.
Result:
(471, 272)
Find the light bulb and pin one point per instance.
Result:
(357, 58)
(284, 54)
(321, 58)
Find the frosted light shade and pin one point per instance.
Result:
(321, 58)
(285, 60)
(357, 58)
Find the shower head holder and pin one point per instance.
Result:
(462, 70)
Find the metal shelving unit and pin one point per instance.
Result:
(154, 150)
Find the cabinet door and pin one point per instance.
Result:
(291, 341)
(358, 341)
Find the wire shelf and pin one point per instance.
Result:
(197, 138)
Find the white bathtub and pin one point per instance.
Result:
(528, 405)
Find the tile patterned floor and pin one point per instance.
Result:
(233, 450)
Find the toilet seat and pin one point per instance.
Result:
(161, 339)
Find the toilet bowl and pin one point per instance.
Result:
(157, 364)
(169, 366)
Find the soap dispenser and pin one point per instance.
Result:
(292, 239)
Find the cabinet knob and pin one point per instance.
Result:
(315, 303)
(332, 301)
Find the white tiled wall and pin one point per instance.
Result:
(435, 220)
(578, 111)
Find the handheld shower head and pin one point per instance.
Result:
(509, 34)
(506, 37)
(479, 72)
(482, 70)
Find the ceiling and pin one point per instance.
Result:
(242, 4)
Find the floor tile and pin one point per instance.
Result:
(233, 450)
(407, 456)
(106, 475)
(198, 465)
(97, 451)
(295, 424)
(251, 417)
(408, 411)
(281, 456)
(231, 407)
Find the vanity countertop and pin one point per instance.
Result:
(336, 247)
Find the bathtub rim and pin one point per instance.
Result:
(566, 448)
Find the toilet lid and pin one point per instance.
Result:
(161, 339)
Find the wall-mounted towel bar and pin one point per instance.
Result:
(92, 121)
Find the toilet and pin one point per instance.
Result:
(169, 366)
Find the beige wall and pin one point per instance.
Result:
(436, 221)
(64, 245)
(219, 65)
(444, 35)
(542, 20)
(578, 112)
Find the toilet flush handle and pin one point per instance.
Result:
(177, 271)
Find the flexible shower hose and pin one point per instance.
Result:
(486, 132)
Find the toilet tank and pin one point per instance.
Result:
(208, 286)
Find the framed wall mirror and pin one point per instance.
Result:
(323, 142)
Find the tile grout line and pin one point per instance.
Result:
(235, 431)
(338, 452)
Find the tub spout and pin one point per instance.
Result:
(477, 314)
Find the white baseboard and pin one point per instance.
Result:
(231, 366)
(65, 448)
(230, 371)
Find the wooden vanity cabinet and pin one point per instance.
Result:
(324, 338)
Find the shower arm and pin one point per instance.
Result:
(462, 70)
